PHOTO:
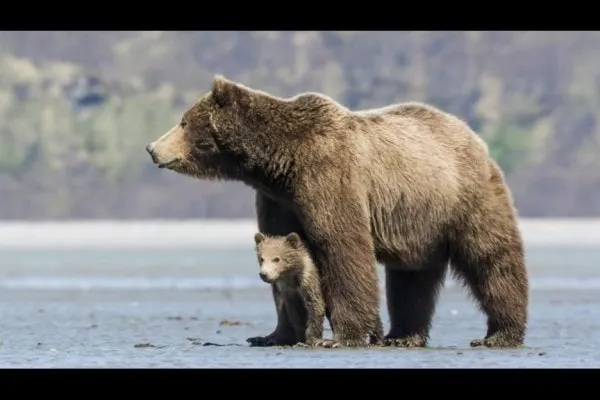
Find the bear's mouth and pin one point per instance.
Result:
(169, 163)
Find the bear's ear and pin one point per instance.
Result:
(258, 237)
(293, 239)
(226, 92)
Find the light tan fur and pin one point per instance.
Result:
(171, 144)
(408, 185)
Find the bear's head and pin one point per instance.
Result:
(237, 133)
(210, 132)
(279, 256)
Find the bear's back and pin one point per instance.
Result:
(417, 140)
(412, 156)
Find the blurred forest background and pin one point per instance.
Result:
(77, 109)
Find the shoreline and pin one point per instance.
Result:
(174, 234)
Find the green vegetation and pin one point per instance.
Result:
(532, 96)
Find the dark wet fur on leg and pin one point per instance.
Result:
(411, 299)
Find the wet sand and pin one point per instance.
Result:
(158, 328)
(179, 307)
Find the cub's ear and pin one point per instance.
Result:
(293, 239)
(226, 92)
(258, 237)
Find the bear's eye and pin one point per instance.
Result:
(276, 260)
(260, 260)
(183, 123)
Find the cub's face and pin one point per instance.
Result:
(276, 255)
(198, 144)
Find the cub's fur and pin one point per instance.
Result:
(286, 263)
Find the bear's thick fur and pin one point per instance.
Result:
(406, 185)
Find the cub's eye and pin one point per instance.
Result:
(260, 260)
(276, 260)
(183, 123)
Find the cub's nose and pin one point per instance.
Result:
(263, 276)
(150, 148)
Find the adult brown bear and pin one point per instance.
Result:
(407, 185)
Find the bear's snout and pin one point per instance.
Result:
(264, 277)
(168, 149)
(150, 149)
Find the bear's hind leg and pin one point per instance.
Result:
(489, 258)
(411, 300)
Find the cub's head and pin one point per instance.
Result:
(219, 126)
(278, 255)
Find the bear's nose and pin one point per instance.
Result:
(150, 148)
(263, 276)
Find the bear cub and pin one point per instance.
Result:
(286, 262)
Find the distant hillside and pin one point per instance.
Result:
(77, 108)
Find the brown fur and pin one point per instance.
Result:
(407, 185)
(286, 264)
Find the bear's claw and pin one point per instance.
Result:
(301, 345)
(499, 340)
(335, 344)
(405, 342)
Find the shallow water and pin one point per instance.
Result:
(142, 308)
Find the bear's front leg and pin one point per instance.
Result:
(273, 219)
(284, 334)
(337, 230)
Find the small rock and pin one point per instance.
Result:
(543, 353)
(176, 318)
(227, 322)
(218, 332)
(143, 345)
